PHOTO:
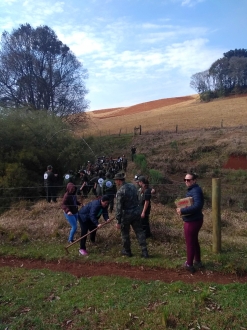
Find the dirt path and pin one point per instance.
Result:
(85, 269)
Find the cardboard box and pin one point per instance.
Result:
(184, 202)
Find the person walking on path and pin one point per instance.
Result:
(193, 220)
(88, 217)
(128, 215)
(133, 152)
(70, 209)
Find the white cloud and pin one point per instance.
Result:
(186, 58)
(8, 2)
(191, 3)
(80, 42)
(191, 55)
(43, 7)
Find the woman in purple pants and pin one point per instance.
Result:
(193, 220)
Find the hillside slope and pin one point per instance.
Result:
(168, 114)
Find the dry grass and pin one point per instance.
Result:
(42, 220)
(186, 113)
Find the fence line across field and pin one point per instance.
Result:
(233, 196)
(140, 129)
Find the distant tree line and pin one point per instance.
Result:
(226, 76)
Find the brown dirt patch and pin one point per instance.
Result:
(236, 163)
(85, 269)
(146, 106)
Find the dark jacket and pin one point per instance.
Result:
(92, 211)
(49, 179)
(109, 187)
(194, 212)
(70, 203)
(145, 196)
(127, 203)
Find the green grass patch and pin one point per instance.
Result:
(141, 162)
(155, 176)
(41, 299)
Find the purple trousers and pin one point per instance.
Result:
(191, 231)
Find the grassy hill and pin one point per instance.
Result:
(184, 112)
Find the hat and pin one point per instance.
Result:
(119, 176)
(142, 178)
(49, 167)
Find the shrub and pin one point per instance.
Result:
(155, 176)
(141, 162)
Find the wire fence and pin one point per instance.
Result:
(160, 127)
(233, 196)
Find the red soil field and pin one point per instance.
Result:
(146, 106)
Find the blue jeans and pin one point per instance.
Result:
(72, 219)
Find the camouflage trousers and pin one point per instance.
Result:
(133, 221)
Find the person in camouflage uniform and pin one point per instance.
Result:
(128, 214)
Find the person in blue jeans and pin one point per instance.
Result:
(70, 209)
(193, 220)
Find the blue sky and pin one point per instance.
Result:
(137, 50)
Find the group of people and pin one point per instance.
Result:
(89, 178)
(100, 185)
(133, 206)
(128, 212)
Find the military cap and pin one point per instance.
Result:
(119, 176)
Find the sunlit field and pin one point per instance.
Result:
(168, 114)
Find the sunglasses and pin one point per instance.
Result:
(187, 180)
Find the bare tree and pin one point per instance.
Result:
(200, 82)
(39, 71)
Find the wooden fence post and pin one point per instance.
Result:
(140, 129)
(216, 214)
